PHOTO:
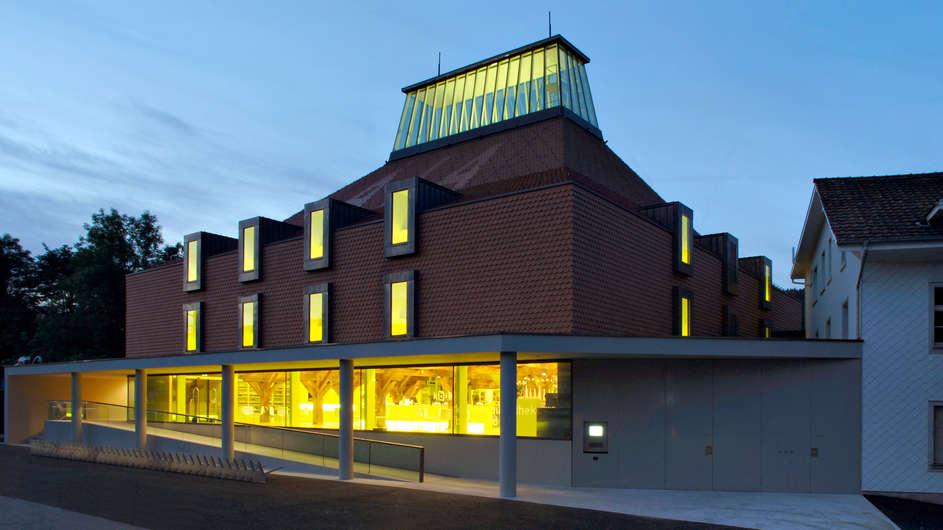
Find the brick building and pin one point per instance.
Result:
(503, 272)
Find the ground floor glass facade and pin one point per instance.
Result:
(444, 399)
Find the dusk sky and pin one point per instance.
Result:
(208, 113)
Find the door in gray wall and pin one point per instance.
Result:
(738, 425)
(689, 425)
(786, 427)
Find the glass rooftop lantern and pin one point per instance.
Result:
(538, 77)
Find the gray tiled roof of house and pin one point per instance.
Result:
(883, 209)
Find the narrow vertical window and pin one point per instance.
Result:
(193, 257)
(317, 244)
(764, 329)
(683, 326)
(316, 235)
(683, 223)
(936, 435)
(248, 254)
(400, 229)
(766, 283)
(249, 321)
(686, 239)
(399, 323)
(400, 304)
(250, 249)
(191, 327)
(936, 316)
(399, 217)
(192, 262)
(316, 313)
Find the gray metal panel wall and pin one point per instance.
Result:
(760, 419)
(738, 425)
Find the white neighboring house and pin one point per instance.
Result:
(871, 257)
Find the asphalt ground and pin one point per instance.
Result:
(154, 499)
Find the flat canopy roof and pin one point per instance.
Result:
(482, 348)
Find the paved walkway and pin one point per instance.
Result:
(27, 515)
(743, 509)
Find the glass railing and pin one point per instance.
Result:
(372, 457)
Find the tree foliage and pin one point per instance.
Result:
(69, 302)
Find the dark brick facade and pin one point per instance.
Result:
(545, 238)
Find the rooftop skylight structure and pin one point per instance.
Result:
(543, 76)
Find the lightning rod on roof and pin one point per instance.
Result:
(438, 68)
(549, 26)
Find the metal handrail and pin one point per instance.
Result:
(216, 421)
(292, 429)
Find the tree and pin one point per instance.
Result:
(82, 288)
(17, 296)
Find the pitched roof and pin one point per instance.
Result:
(513, 160)
(886, 209)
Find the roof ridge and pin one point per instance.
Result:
(876, 177)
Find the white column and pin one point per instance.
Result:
(77, 407)
(345, 452)
(507, 454)
(227, 411)
(140, 407)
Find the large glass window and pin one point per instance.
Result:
(444, 399)
(686, 239)
(411, 399)
(183, 398)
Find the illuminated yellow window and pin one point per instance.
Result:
(685, 316)
(316, 235)
(399, 305)
(768, 287)
(248, 249)
(766, 332)
(686, 239)
(400, 228)
(193, 256)
(248, 324)
(192, 323)
(315, 317)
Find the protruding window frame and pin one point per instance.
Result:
(256, 321)
(256, 273)
(388, 280)
(680, 293)
(324, 289)
(681, 238)
(409, 247)
(764, 331)
(198, 307)
(731, 264)
(766, 283)
(730, 322)
(326, 239)
(197, 284)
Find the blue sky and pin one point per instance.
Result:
(209, 112)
